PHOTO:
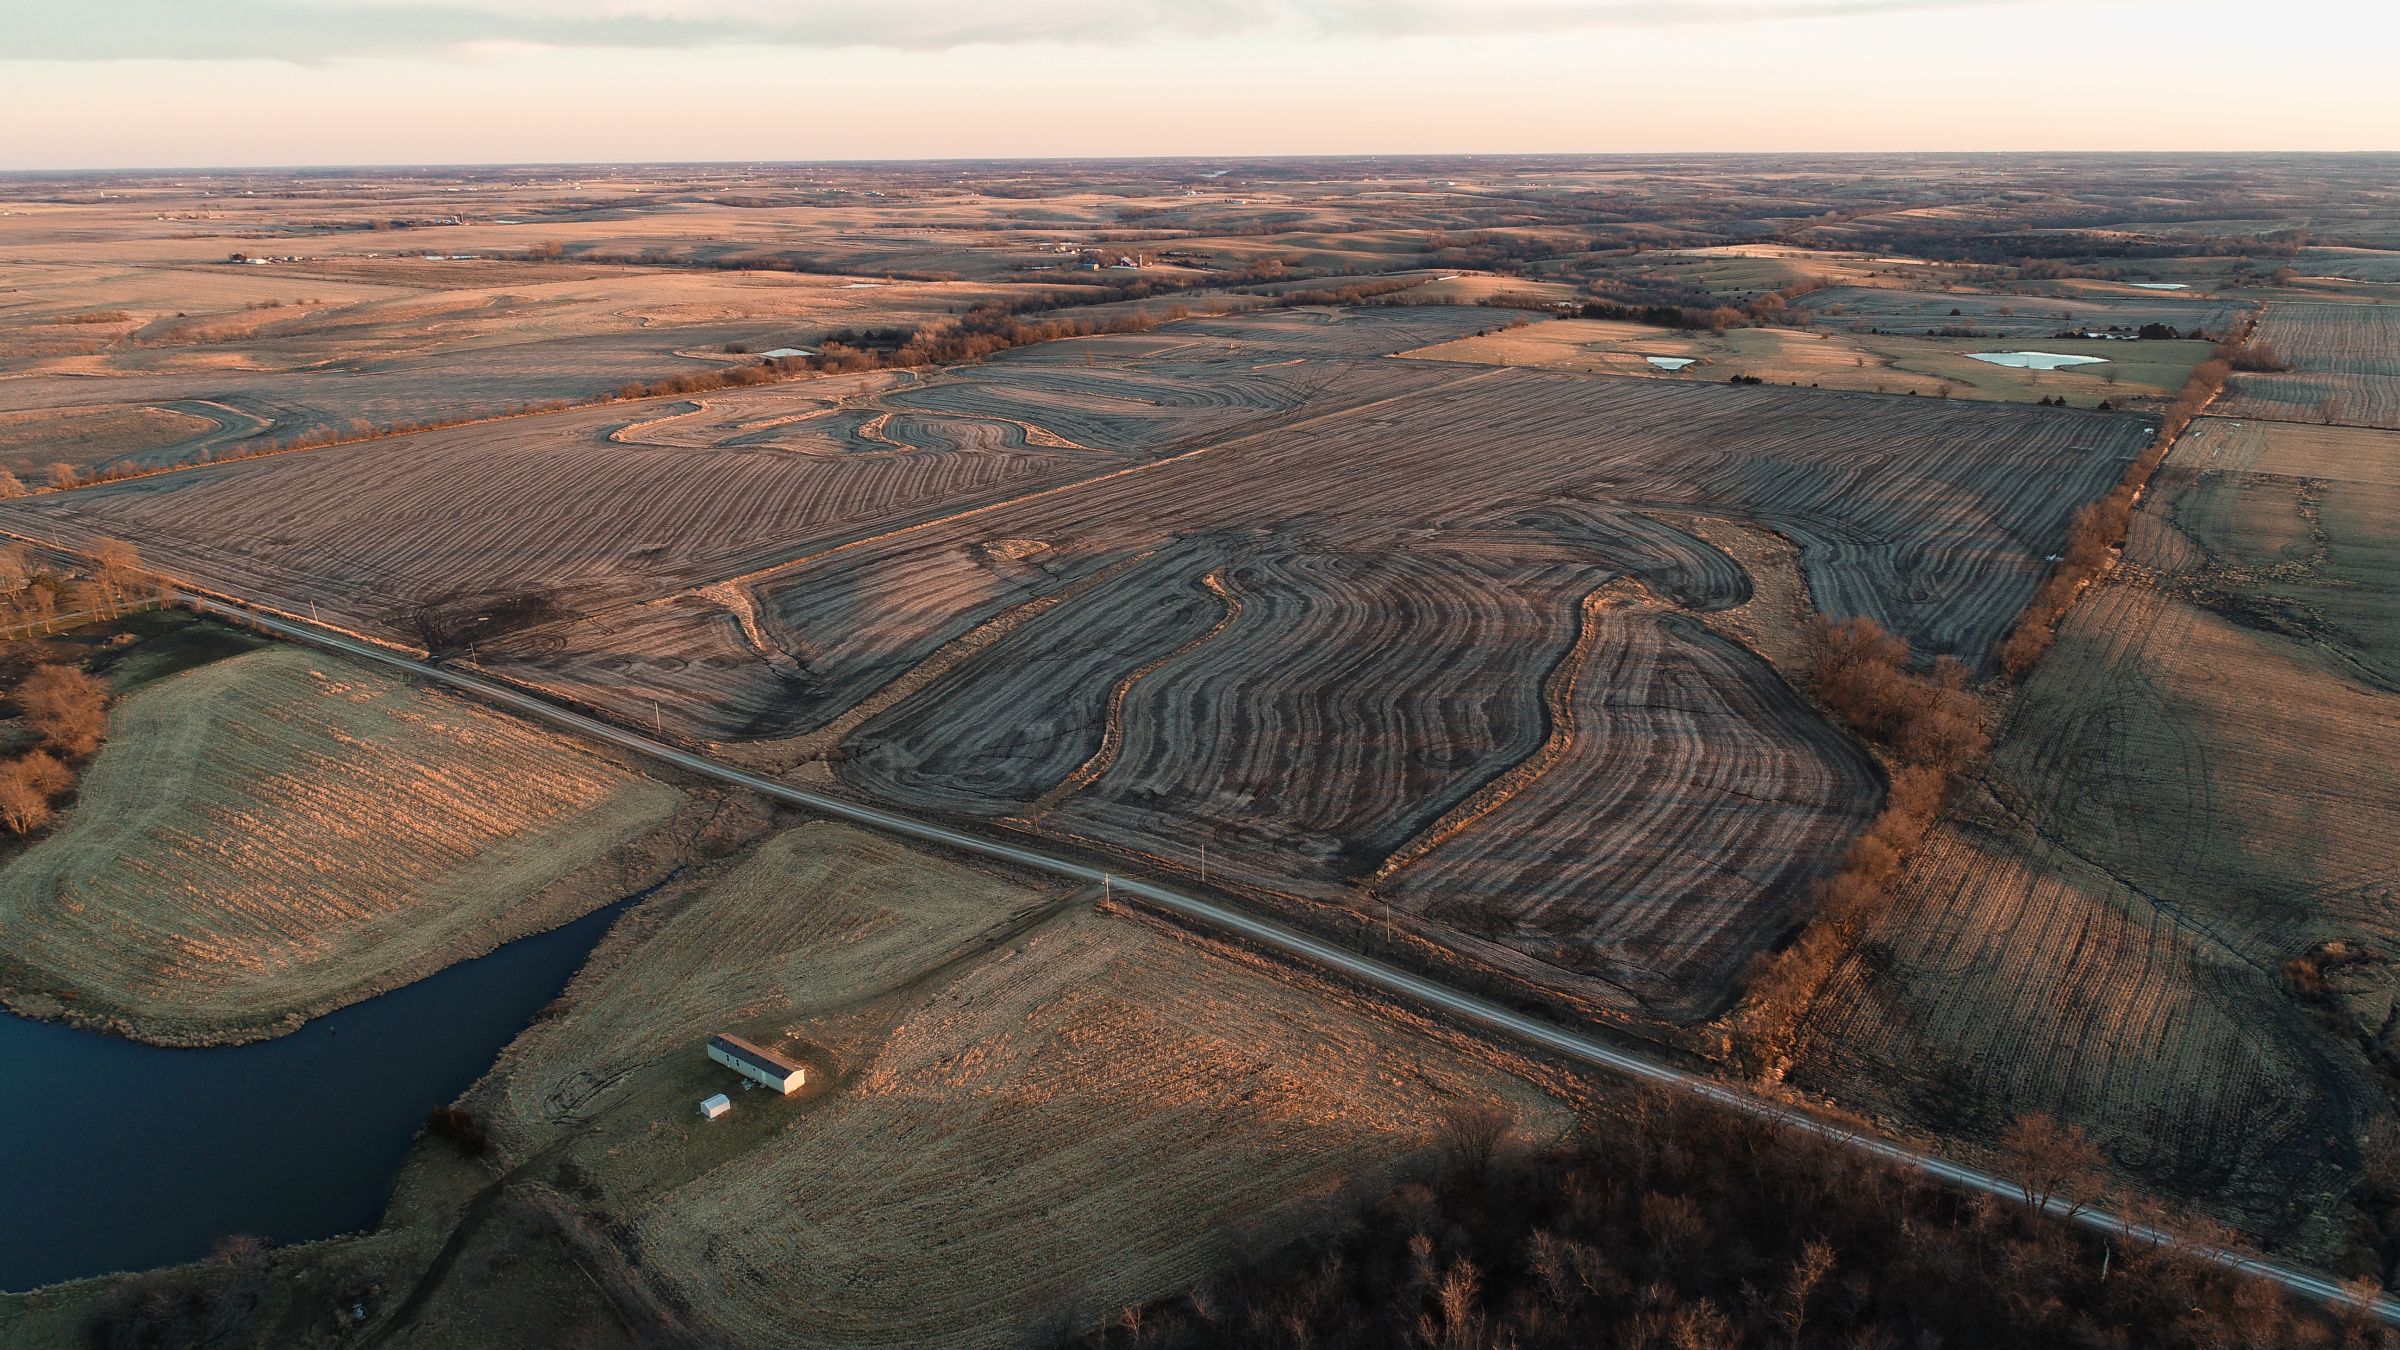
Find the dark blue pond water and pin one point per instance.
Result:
(118, 1156)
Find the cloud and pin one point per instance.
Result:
(483, 30)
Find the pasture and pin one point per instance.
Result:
(273, 835)
(2188, 797)
(1023, 1112)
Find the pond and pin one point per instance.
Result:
(2159, 285)
(123, 1156)
(2036, 360)
(1671, 362)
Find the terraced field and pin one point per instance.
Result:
(280, 833)
(2191, 793)
(549, 505)
(1893, 521)
(1295, 609)
(2345, 366)
(1024, 1110)
(1683, 800)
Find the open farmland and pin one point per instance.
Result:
(2190, 796)
(1215, 668)
(274, 835)
(381, 340)
(1685, 796)
(1021, 1112)
(2345, 366)
(1217, 673)
(2134, 374)
(1882, 310)
(578, 509)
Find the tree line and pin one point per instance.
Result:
(1927, 728)
(2100, 527)
(63, 712)
(1678, 1226)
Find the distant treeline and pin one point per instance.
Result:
(997, 326)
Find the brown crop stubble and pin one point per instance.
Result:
(1033, 1110)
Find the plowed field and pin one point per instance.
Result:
(2192, 792)
(2345, 366)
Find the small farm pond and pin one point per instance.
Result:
(2159, 285)
(2036, 360)
(1671, 362)
(123, 1156)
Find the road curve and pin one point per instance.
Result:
(1569, 1044)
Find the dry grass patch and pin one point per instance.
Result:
(277, 834)
(1028, 1112)
(32, 441)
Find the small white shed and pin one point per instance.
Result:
(713, 1107)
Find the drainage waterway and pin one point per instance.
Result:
(120, 1156)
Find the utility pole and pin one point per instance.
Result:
(1203, 862)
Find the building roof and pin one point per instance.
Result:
(759, 1055)
(720, 1101)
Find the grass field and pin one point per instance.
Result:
(273, 835)
(2189, 795)
(2137, 374)
(1023, 1113)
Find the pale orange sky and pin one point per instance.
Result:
(120, 83)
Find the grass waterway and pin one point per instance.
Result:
(123, 1156)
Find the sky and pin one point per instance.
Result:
(192, 83)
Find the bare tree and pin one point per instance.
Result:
(1700, 1326)
(68, 709)
(2053, 1162)
(24, 808)
(10, 485)
(1809, 1271)
(62, 475)
(1470, 1136)
(117, 567)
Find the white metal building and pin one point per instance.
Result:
(757, 1063)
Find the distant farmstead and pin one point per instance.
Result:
(757, 1063)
